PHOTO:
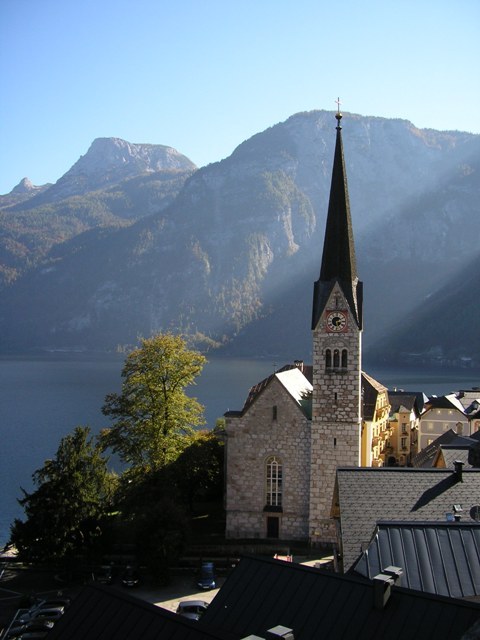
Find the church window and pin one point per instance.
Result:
(344, 358)
(328, 359)
(274, 482)
(336, 359)
(274, 412)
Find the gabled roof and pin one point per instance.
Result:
(449, 401)
(424, 458)
(449, 454)
(295, 381)
(368, 495)
(261, 593)
(102, 613)
(411, 400)
(435, 558)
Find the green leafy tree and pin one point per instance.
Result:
(152, 414)
(63, 515)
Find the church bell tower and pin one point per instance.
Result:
(337, 355)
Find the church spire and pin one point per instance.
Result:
(338, 260)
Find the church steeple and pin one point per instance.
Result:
(338, 260)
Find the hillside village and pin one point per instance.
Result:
(386, 481)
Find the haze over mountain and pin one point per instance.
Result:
(133, 240)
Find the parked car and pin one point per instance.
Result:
(207, 576)
(130, 577)
(42, 613)
(104, 575)
(192, 609)
(16, 631)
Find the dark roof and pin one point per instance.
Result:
(263, 593)
(338, 259)
(370, 390)
(102, 613)
(436, 558)
(453, 453)
(369, 495)
(424, 458)
(412, 400)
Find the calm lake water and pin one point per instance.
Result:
(42, 399)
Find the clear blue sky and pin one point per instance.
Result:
(204, 75)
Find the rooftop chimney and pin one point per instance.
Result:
(458, 466)
(299, 364)
(394, 572)
(382, 586)
(279, 632)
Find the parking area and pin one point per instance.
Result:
(180, 588)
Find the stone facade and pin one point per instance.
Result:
(336, 413)
(274, 425)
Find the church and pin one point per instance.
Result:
(302, 422)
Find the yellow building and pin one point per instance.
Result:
(375, 425)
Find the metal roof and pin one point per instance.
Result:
(367, 496)
(106, 613)
(435, 558)
(262, 593)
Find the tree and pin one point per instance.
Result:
(198, 471)
(152, 414)
(64, 512)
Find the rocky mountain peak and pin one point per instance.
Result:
(108, 161)
(24, 186)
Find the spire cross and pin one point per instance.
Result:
(338, 104)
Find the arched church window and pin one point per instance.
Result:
(328, 359)
(336, 359)
(344, 358)
(274, 481)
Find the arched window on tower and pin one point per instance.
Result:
(344, 358)
(328, 359)
(336, 359)
(273, 481)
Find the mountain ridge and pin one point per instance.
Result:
(232, 257)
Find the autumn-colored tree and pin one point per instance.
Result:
(152, 414)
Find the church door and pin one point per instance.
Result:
(273, 527)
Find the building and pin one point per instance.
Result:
(301, 423)
(440, 415)
(404, 421)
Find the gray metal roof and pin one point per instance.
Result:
(262, 593)
(435, 558)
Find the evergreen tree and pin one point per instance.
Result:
(63, 515)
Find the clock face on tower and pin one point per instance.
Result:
(336, 321)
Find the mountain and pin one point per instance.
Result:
(113, 184)
(442, 330)
(232, 258)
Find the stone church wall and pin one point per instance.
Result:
(251, 439)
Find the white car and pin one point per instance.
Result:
(192, 609)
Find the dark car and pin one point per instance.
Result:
(17, 631)
(104, 575)
(207, 578)
(130, 577)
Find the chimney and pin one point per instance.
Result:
(382, 586)
(279, 633)
(394, 572)
(299, 364)
(458, 470)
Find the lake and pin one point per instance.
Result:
(43, 398)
